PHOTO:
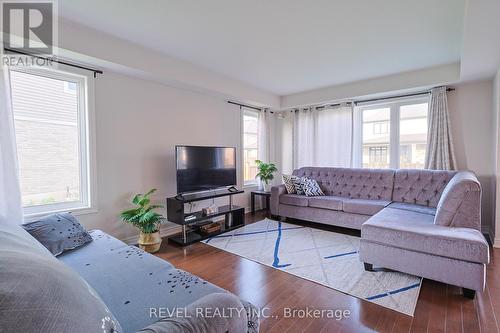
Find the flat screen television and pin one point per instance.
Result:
(205, 168)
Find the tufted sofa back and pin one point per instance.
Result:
(421, 187)
(352, 183)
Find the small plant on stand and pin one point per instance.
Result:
(265, 174)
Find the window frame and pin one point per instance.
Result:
(394, 126)
(86, 140)
(252, 113)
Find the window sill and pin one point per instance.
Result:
(251, 186)
(74, 211)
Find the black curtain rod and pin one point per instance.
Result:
(321, 107)
(399, 96)
(374, 99)
(95, 71)
(247, 106)
(331, 105)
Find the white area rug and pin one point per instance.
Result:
(325, 257)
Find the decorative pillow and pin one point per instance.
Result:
(297, 183)
(58, 232)
(311, 187)
(287, 180)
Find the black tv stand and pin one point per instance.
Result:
(234, 216)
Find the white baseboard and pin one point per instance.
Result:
(164, 232)
(496, 243)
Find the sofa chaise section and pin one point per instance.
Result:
(446, 247)
(410, 242)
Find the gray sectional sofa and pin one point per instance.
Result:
(421, 222)
(106, 286)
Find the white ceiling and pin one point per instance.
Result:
(286, 46)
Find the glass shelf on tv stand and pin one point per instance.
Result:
(234, 217)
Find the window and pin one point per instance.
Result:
(376, 141)
(380, 127)
(413, 135)
(250, 145)
(51, 119)
(394, 135)
(378, 155)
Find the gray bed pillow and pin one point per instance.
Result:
(58, 232)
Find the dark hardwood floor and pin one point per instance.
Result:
(440, 308)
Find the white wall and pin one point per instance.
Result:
(473, 132)
(496, 115)
(138, 123)
(393, 84)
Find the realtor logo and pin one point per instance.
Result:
(28, 26)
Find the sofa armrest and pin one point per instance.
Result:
(460, 203)
(276, 191)
(214, 313)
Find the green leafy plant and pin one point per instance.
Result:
(266, 171)
(143, 215)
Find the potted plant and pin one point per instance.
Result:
(144, 217)
(265, 173)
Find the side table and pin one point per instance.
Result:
(261, 193)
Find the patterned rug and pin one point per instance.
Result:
(325, 257)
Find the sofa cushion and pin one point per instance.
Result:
(417, 232)
(58, 232)
(294, 199)
(115, 270)
(351, 182)
(326, 202)
(364, 206)
(460, 204)
(421, 187)
(413, 208)
(38, 293)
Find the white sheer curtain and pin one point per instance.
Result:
(304, 124)
(440, 154)
(323, 137)
(10, 193)
(266, 122)
(357, 134)
(264, 133)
